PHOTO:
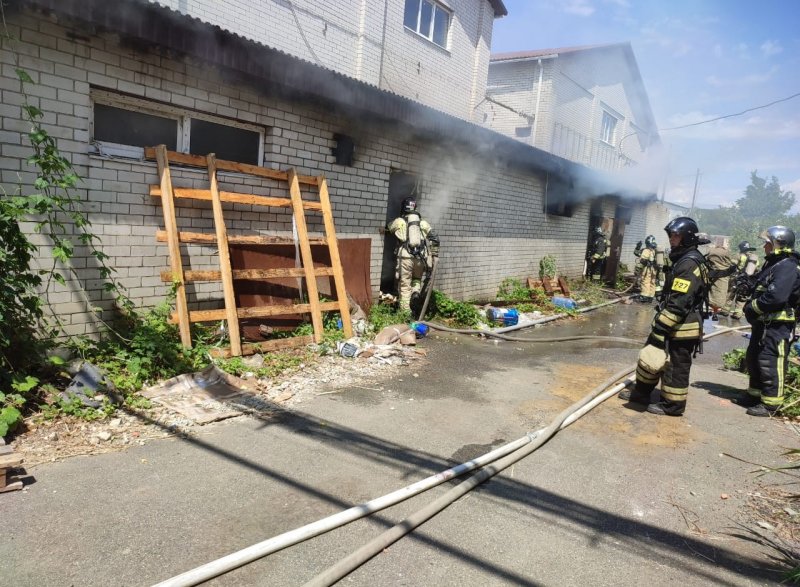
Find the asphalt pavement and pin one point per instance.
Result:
(621, 497)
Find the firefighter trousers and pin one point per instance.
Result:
(674, 377)
(767, 362)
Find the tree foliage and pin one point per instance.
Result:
(763, 204)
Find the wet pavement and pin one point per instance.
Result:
(620, 497)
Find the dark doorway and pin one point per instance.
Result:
(401, 185)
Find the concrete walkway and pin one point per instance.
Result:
(619, 498)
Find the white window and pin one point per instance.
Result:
(429, 19)
(608, 128)
(122, 126)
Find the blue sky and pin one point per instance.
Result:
(699, 60)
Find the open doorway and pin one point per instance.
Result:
(401, 185)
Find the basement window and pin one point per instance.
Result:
(429, 19)
(123, 126)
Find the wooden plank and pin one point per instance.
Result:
(224, 259)
(235, 198)
(548, 287)
(241, 239)
(12, 487)
(336, 262)
(305, 253)
(534, 283)
(266, 346)
(2, 478)
(175, 263)
(12, 460)
(232, 166)
(191, 276)
(562, 283)
(256, 312)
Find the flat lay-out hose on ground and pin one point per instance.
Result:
(502, 457)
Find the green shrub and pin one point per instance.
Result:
(547, 267)
(459, 313)
(512, 290)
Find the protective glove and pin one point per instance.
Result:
(652, 359)
(750, 314)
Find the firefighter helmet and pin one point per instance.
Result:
(650, 241)
(744, 247)
(409, 205)
(781, 237)
(599, 230)
(686, 228)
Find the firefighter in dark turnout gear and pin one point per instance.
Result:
(771, 313)
(597, 255)
(677, 328)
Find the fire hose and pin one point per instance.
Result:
(503, 457)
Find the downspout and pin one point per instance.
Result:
(383, 44)
(538, 101)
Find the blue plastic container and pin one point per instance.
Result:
(563, 302)
(504, 316)
(420, 329)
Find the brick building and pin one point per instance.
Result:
(112, 77)
(586, 104)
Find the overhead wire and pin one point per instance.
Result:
(786, 99)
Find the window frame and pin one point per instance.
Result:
(435, 6)
(183, 117)
(612, 128)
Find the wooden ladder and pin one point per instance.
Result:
(180, 277)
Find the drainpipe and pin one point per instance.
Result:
(538, 101)
(383, 45)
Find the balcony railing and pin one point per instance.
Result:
(572, 145)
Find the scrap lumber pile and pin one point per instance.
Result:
(8, 461)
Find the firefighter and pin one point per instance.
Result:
(677, 328)
(771, 313)
(647, 270)
(598, 253)
(415, 239)
(746, 265)
(721, 266)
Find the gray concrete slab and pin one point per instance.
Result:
(619, 498)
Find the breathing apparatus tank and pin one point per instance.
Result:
(660, 257)
(750, 265)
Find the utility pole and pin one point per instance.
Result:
(694, 194)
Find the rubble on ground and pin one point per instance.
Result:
(52, 440)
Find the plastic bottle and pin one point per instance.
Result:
(504, 316)
(563, 302)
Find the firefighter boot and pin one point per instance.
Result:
(635, 396)
(761, 411)
(747, 400)
(665, 408)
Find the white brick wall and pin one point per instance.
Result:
(490, 217)
(348, 36)
(576, 87)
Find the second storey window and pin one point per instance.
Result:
(608, 128)
(429, 19)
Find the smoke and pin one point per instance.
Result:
(634, 182)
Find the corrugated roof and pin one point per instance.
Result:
(499, 8)
(537, 53)
(149, 27)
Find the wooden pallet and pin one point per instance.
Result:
(9, 461)
(167, 193)
(550, 285)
